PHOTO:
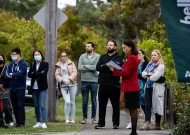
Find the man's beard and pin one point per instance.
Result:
(88, 51)
(111, 51)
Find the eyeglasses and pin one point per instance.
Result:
(13, 54)
(139, 53)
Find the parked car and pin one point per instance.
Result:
(28, 91)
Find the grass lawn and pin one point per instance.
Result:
(58, 126)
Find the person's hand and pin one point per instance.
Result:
(150, 73)
(111, 68)
(1, 87)
(68, 82)
(11, 74)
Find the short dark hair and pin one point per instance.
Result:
(92, 44)
(39, 52)
(63, 52)
(130, 43)
(17, 51)
(3, 58)
(113, 42)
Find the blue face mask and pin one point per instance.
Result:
(14, 58)
(38, 58)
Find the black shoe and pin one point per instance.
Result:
(99, 127)
(115, 126)
(4, 126)
(133, 134)
(19, 126)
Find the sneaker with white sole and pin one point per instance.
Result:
(83, 121)
(67, 121)
(11, 124)
(72, 121)
(38, 125)
(94, 121)
(44, 125)
(129, 126)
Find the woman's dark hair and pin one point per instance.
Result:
(39, 52)
(142, 51)
(63, 52)
(130, 43)
(3, 58)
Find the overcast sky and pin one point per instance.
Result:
(63, 3)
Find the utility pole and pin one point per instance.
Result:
(51, 56)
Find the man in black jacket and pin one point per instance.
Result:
(109, 86)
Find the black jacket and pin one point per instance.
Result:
(106, 76)
(3, 79)
(40, 76)
(143, 68)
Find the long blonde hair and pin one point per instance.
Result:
(159, 54)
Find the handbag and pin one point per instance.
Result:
(162, 79)
(58, 91)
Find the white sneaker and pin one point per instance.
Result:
(72, 121)
(44, 125)
(38, 125)
(67, 121)
(129, 126)
(11, 124)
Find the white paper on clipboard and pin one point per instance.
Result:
(113, 64)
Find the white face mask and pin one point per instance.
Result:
(14, 58)
(37, 58)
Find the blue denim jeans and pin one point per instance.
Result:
(69, 101)
(85, 88)
(39, 98)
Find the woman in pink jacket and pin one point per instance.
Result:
(66, 75)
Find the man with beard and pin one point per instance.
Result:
(89, 80)
(109, 86)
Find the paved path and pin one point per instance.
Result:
(88, 129)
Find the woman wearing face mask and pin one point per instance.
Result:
(154, 92)
(38, 72)
(66, 75)
(5, 102)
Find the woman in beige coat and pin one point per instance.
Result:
(154, 90)
(66, 75)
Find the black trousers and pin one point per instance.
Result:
(113, 93)
(17, 99)
(7, 110)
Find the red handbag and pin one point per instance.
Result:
(1, 105)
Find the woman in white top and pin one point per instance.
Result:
(66, 75)
(154, 90)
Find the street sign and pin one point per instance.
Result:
(39, 17)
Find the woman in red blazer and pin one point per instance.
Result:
(130, 85)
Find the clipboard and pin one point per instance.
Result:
(113, 64)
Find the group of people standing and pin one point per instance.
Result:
(140, 84)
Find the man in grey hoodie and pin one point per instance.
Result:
(89, 77)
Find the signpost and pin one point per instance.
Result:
(51, 18)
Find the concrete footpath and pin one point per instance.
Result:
(88, 129)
